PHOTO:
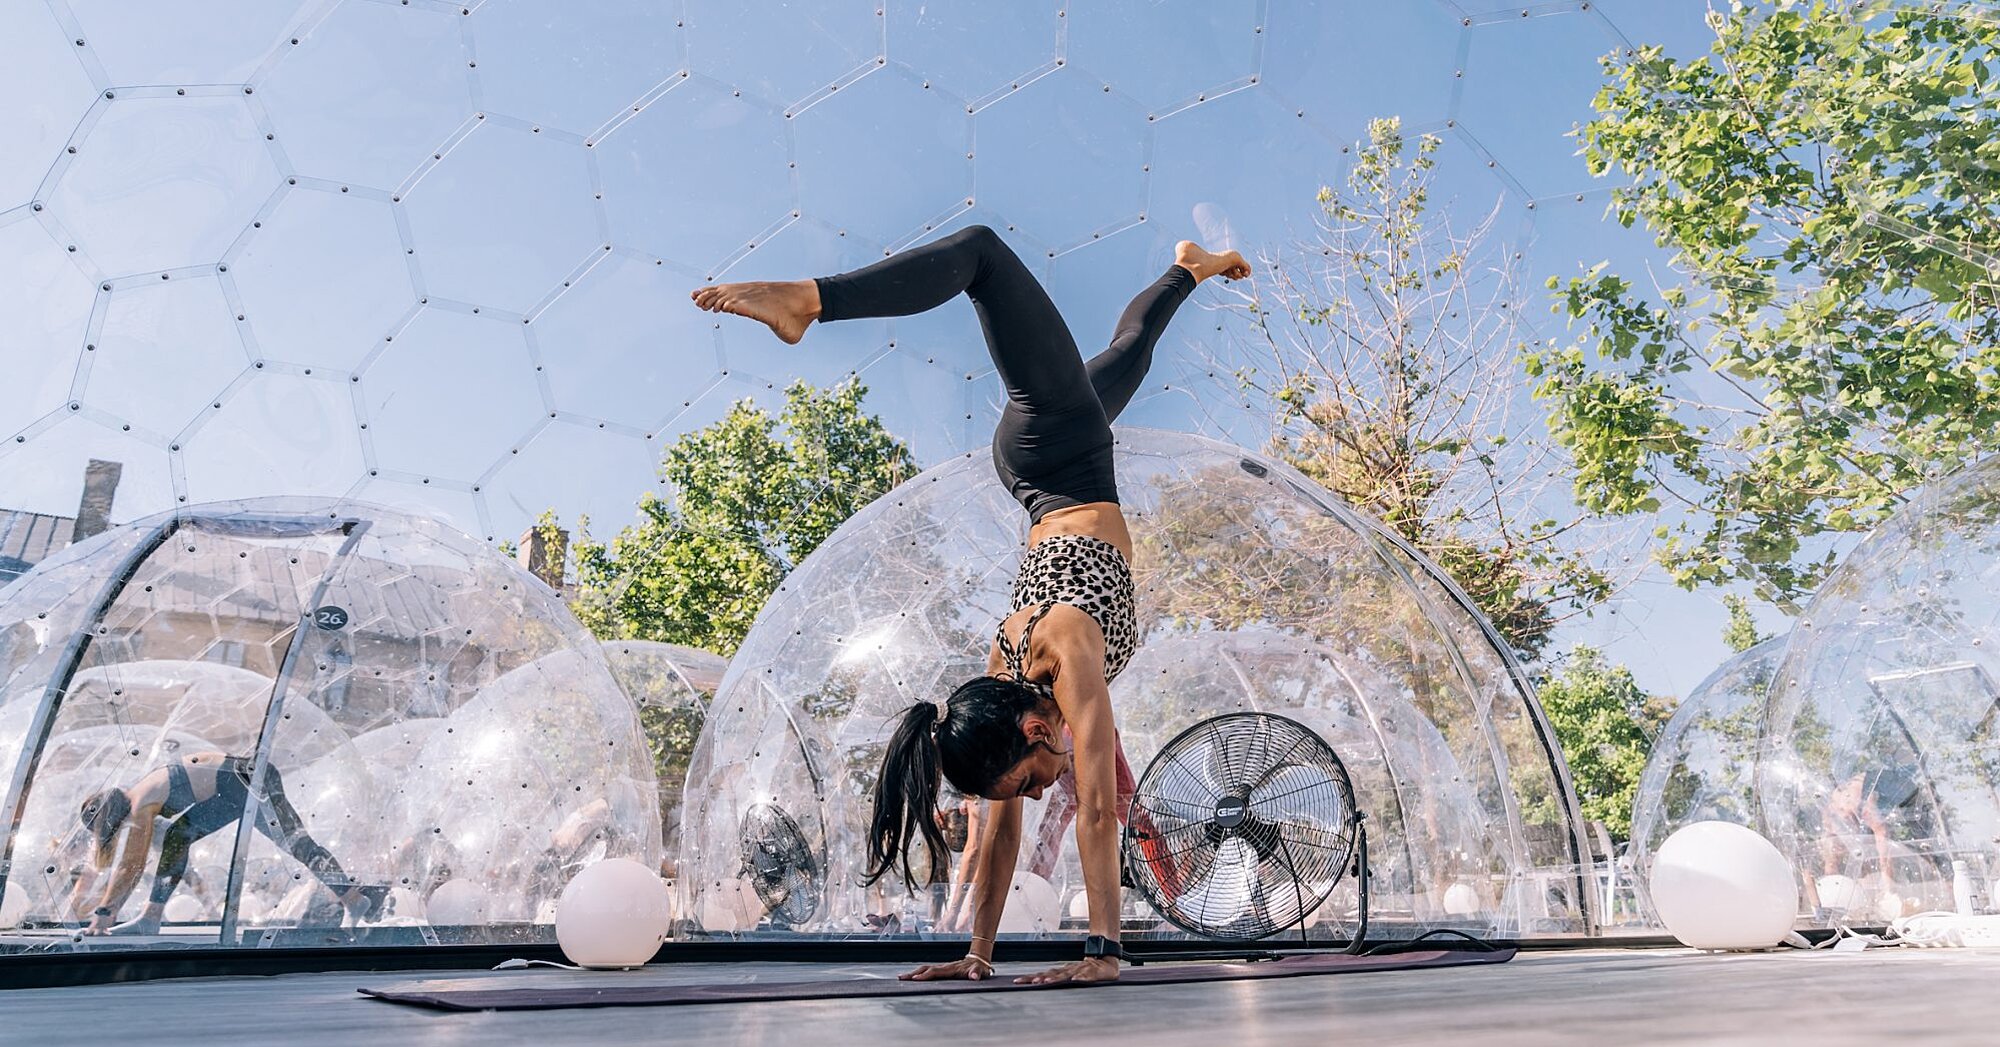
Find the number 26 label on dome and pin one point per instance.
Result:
(330, 617)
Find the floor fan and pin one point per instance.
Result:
(779, 862)
(1241, 827)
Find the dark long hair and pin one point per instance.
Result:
(104, 814)
(976, 741)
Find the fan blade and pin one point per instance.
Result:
(1175, 810)
(1193, 778)
(1268, 769)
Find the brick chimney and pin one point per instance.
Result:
(543, 553)
(100, 486)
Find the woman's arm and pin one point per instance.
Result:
(992, 874)
(86, 882)
(1085, 699)
(968, 864)
(130, 863)
(1086, 704)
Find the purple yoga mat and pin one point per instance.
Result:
(529, 998)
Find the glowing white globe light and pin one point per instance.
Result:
(403, 908)
(1033, 906)
(252, 910)
(13, 906)
(1722, 886)
(292, 908)
(613, 914)
(1838, 892)
(1079, 906)
(458, 903)
(183, 908)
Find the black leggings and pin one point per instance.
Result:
(1053, 445)
(276, 819)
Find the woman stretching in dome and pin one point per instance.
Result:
(199, 794)
(1043, 711)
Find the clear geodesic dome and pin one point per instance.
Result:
(1885, 714)
(672, 685)
(430, 712)
(428, 254)
(1864, 743)
(1258, 590)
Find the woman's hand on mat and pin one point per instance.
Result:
(969, 969)
(1094, 969)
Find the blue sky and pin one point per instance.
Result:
(438, 256)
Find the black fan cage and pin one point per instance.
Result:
(1241, 826)
(779, 862)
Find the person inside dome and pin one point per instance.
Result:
(198, 794)
(1042, 714)
(1882, 809)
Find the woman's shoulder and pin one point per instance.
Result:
(1069, 632)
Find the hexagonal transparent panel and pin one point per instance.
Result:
(165, 180)
(1258, 592)
(305, 721)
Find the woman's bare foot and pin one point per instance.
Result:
(786, 307)
(1204, 263)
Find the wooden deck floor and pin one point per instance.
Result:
(1594, 997)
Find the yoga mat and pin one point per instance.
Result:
(528, 998)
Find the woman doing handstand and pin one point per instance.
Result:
(1043, 711)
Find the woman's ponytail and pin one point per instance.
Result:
(906, 795)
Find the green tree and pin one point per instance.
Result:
(754, 495)
(1825, 180)
(1605, 722)
(1741, 633)
(1385, 355)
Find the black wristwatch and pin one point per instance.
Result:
(1098, 945)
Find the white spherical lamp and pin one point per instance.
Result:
(1723, 886)
(458, 903)
(1033, 906)
(404, 908)
(13, 905)
(613, 914)
(184, 908)
(1838, 892)
(1460, 899)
